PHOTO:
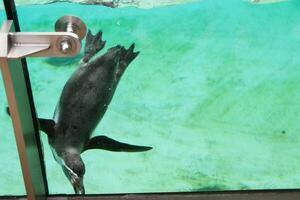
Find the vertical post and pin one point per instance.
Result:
(17, 97)
(20, 100)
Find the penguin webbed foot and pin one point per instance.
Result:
(93, 45)
(126, 57)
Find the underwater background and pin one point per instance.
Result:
(215, 91)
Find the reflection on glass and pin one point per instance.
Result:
(11, 181)
(214, 91)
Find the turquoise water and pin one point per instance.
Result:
(215, 91)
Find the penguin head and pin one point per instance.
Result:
(74, 170)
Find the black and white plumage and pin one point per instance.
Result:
(82, 104)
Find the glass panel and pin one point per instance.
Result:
(11, 181)
(2, 13)
(214, 91)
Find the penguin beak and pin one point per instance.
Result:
(76, 179)
(77, 183)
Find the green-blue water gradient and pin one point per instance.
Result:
(215, 91)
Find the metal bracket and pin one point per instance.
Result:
(43, 44)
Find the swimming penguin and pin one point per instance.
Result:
(82, 104)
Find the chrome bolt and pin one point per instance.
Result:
(65, 46)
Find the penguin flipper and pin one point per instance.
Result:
(46, 125)
(7, 111)
(106, 143)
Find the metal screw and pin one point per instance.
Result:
(65, 46)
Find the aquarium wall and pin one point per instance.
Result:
(214, 91)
